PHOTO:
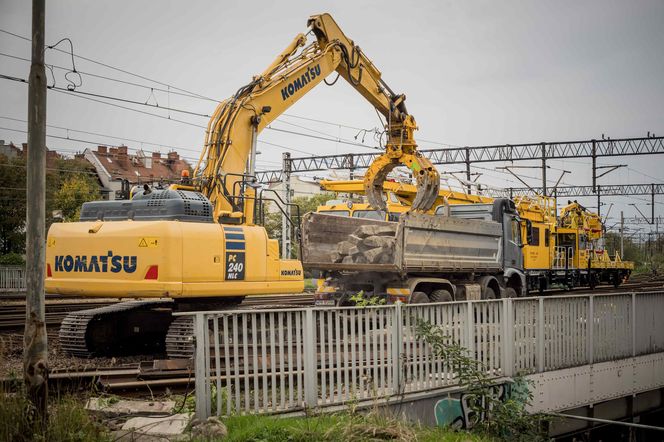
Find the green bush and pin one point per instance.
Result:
(11, 259)
(341, 427)
(67, 421)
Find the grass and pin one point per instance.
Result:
(343, 427)
(67, 421)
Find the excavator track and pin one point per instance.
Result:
(125, 327)
(180, 338)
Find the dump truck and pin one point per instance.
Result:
(470, 252)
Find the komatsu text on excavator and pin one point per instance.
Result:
(197, 245)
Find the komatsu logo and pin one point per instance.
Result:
(301, 82)
(96, 263)
(291, 272)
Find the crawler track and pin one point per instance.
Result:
(12, 307)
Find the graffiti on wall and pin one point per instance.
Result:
(459, 411)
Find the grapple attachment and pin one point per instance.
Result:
(425, 174)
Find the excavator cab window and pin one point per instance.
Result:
(393, 216)
(336, 212)
(378, 215)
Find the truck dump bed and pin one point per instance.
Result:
(417, 243)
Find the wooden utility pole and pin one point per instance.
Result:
(35, 366)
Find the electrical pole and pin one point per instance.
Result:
(35, 363)
(622, 234)
(544, 192)
(285, 221)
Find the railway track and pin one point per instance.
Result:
(631, 286)
(12, 313)
(12, 309)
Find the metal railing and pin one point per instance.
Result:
(281, 360)
(12, 279)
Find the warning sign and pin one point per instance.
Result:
(148, 242)
(51, 242)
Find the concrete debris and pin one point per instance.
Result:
(379, 241)
(169, 427)
(373, 229)
(347, 248)
(118, 407)
(369, 244)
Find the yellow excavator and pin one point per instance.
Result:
(196, 244)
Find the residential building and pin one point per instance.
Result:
(114, 165)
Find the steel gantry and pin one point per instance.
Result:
(484, 154)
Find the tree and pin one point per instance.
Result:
(306, 204)
(75, 191)
(12, 209)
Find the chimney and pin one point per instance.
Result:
(114, 150)
(102, 149)
(156, 155)
(173, 156)
(123, 158)
(25, 148)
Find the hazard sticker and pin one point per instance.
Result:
(148, 242)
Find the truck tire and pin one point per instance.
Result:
(488, 293)
(441, 295)
(510, 292)
(419, 298)
(616, 280)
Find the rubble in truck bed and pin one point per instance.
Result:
(368, 244)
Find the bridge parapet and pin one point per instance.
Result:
(284, 360)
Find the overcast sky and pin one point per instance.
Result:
(474, 73)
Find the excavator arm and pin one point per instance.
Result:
(228, 157)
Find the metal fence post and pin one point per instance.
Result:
(397, 346)
(310, 371)
(507, 340)
(202, 393)
(633, 319)
(470, 329)
(540, 336)
(591, 329)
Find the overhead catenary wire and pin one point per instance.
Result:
(116, 80)
(99, 100)
(108, 66)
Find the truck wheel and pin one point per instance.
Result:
(419, 298)
(441, 295)
(488, 293)
(510, 292)
(616, 281)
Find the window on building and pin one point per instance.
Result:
(535, 232)
(547, 235)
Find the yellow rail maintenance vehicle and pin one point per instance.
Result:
(565, 249)
(197, 244)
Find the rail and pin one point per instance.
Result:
(12, 279)
(290, 359)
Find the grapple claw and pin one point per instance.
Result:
(426, 176)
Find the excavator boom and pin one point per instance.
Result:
(228, 157)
